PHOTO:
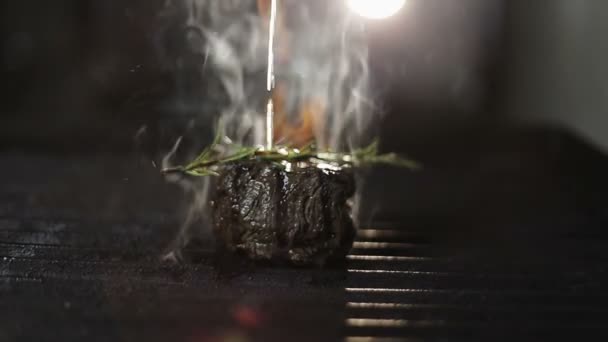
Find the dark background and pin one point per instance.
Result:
(92, 73)
(501, 233)
(504, 86)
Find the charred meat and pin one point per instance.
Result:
(301, 216)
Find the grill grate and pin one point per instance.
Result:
(385, 295)
(86, 277)
(397, 289)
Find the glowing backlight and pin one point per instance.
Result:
(375, 9)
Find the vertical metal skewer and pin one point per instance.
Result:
(270, 76)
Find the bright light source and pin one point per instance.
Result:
(375, 9)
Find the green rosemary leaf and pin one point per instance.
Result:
(308, 148)
(370, 150)
(394, 160)
(200, 172)
(219, 133)
(209, 150)
(209, 161)
(242, 153)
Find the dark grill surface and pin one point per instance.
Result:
(79, 261)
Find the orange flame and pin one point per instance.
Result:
(310, 115)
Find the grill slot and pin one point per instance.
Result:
(393, 287)
(398, 287)
(64, 269)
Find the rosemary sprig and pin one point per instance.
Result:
(210, 160)
(209, 151)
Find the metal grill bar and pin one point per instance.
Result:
(66, 270)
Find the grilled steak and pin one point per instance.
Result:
(300, 216)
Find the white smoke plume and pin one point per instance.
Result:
(327, 63)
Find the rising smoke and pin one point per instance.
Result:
(321, 59)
